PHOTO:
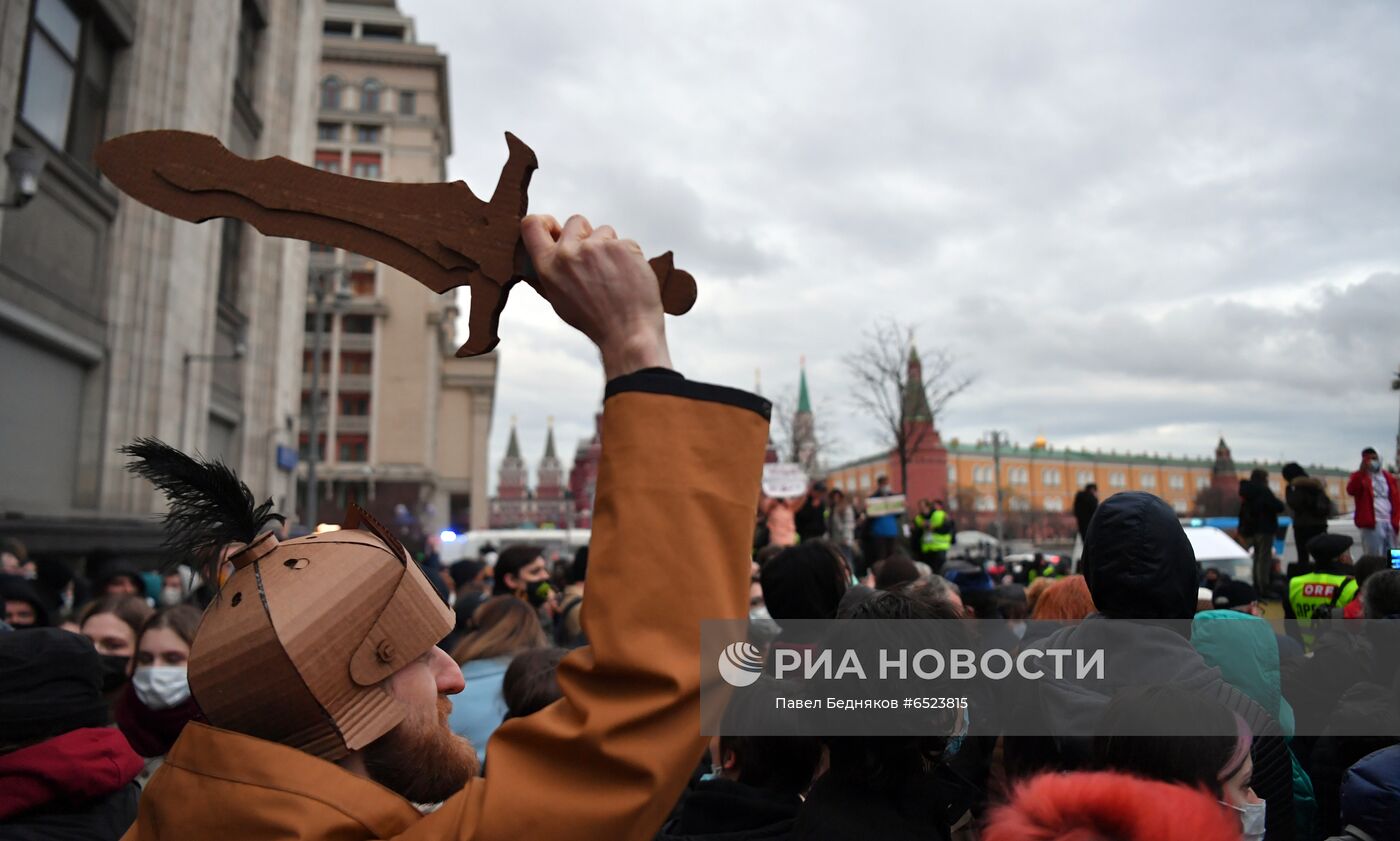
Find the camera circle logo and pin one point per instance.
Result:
(740, 664)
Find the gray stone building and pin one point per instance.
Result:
(117, 321)
(401, 425)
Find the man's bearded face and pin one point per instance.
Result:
(421, 759)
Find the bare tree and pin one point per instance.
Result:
(900, 387)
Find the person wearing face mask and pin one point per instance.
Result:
(113, 623)
(155, 705)
(1377, 497)
(521, 571)
(1175, 735)
(176, 586)
(502, 627)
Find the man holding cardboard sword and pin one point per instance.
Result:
(317, 664)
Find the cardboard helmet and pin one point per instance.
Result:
(297, 644)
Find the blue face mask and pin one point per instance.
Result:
(1252, 819)
(955, 743)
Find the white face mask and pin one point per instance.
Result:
(171, 596)
(161, 687)
(1251, 819)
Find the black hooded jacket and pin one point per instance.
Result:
(1141, 572)
(1259, 509)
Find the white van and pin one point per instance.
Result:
(1214, 549)
(556, 543)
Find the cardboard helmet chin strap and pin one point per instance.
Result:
(298, 643)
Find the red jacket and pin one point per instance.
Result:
(69, 769)
(1360, 488)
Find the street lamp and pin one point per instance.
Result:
(25, 166)
(341, 297)
(998, 439)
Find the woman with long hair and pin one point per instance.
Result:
(113, 622)
(156, 704)
(501, 628)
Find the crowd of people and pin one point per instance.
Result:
(1304, 725)
(857, 532)
(251, 692)
(1297, 734)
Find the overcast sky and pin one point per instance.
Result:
(1140, 225)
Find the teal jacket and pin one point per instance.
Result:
(1245, 651)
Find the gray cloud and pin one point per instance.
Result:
(1143, 224)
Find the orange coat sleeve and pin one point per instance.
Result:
(672, 528)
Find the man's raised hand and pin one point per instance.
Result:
(603, 287)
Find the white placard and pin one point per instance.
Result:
(783, 481)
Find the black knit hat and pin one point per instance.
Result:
(1234, 594)
(1293, 470)
(50, 684)
(1328, 547)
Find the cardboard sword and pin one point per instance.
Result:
(442, 235)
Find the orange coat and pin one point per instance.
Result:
(673, 525)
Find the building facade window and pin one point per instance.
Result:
(354, 405)
(250, 26)
(369, 96)
(1176, 481)
(408, 103)
(327, 161)
(331, 90)
(328, 131)
(1147, 480)
(230, 258)
(338, 28)
(986, 503)
(1085, 477)
(1019, 503)
(1117, 479)
(1054, 503)
(952, 473)
(352, 448)
(67, 75)
(356, 363)
(1050, 477)
(1179, 506)
(367, 134)
(1018, 476)
(360, 324)
(362, 284)
(304, 447)
(1202, 482)
(381, 32)
(365, 165)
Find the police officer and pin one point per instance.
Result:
(937, 535)
(1041, 567)
(1322, 593)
